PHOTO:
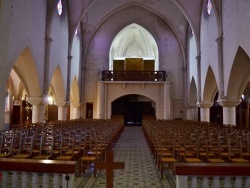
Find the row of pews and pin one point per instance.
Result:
(81, 141)
(181, 145)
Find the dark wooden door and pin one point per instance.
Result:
(16, 115)
(133, 113)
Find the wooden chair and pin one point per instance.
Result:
(217, 158)
(207, 154)
(240, 159)
(45, 148)
(167, 161)
(37, 144)
(25, 147)
(246, 149)
(164, 150)
(88, 160)
(190, 157)
(228, 154)
(6, 144)
(67, 151)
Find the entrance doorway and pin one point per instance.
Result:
(133, 108)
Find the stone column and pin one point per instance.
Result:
(100, 100)
(68, 78)
(229, 110)
(219, 41)
(76, 110)
(198, 58)
(37, 108)
(166, 92)
(205, 110)
(62, 109)
(48, 41)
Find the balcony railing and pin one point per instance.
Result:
(133, 75)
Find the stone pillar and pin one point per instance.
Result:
(48, 41)
(37, 108)
(198, 58)
(76, 110)
(100, 100)
(229, 110)
(166, 92)
(219, 41)
(62, 109)
(68, 78)
(191, 112)
(205, 110)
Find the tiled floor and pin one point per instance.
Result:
(140, 170)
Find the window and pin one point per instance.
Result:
(209, 7)
(59, 7)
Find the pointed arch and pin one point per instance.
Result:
(210, 86)
(239, 75)
(134, 37)
(27, 72)
(57, 84)
(192, 93)
(15, 85)
(74, 92)
(173, 27)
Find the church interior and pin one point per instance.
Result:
(166, 79)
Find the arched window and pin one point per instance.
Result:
(134, 43)
(209, 7)
(59, 7)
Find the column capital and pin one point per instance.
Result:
(229, 102)
(76, 104)
(204, 104)
(34, 100)
(62, 103)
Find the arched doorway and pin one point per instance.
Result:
(133, 108)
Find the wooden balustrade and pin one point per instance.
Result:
(17, 172)
(212, 174)
(133, 75)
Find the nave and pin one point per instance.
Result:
(140, 170)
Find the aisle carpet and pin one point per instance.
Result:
(140, 170)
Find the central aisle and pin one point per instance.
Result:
(140, 170)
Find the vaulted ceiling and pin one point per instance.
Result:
(179, 14)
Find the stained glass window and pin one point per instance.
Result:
(209, 7)
(59, 7)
